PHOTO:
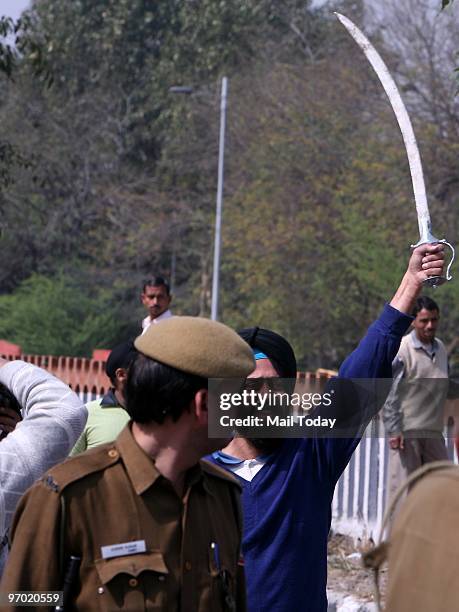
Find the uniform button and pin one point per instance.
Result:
(100, 590)
(133, 582)
(113, 453)
(161, 578)
(188, 565)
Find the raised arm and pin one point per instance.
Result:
(374, 355)
(54, 417)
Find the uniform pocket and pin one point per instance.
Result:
(133, 583)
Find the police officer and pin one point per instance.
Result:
(422, 549)
(154, 527)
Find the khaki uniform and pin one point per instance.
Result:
(114, 495)
(423, 547)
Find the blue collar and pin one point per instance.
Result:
(222, 457)
(225, 459)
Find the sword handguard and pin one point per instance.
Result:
(436, 281)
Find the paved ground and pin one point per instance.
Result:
(350, 586)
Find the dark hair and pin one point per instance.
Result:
(120, 357)
(156, 281)
(425, 302)
(155, 391)
(8, 400)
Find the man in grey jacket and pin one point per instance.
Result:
(53, 418)
(414, 410)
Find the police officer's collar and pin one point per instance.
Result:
(141, 468)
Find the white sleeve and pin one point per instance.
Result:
(54, 417)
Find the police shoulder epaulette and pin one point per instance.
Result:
(218, 472)
(75, 468)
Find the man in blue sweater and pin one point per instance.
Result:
(288, 484)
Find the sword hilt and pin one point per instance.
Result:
(436, 281)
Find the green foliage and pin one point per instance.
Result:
(444, 4)
(57, 316)
(120, 179)
(7, 54)
(21, 48)
(9, 156)
(17, 50)
(316, 233)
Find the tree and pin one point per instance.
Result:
(56, 316)
(312, 206)
(122, 176)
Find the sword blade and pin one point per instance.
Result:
(404, 122)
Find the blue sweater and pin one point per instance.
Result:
(287, 505)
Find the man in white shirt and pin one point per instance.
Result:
(156, 298)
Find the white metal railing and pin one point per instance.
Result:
(360, 495)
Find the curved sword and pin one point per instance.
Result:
(412, 151)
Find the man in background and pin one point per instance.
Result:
(156, 298)
(414, 411)
(108, 416)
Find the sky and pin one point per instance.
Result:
(13, 8)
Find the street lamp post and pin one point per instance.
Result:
(219, 203)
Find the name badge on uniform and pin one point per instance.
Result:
(120, 550)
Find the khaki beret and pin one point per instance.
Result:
(197, 346)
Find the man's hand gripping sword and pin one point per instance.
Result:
(409, 138)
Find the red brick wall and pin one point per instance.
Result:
(83, 375)
(88, 375)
